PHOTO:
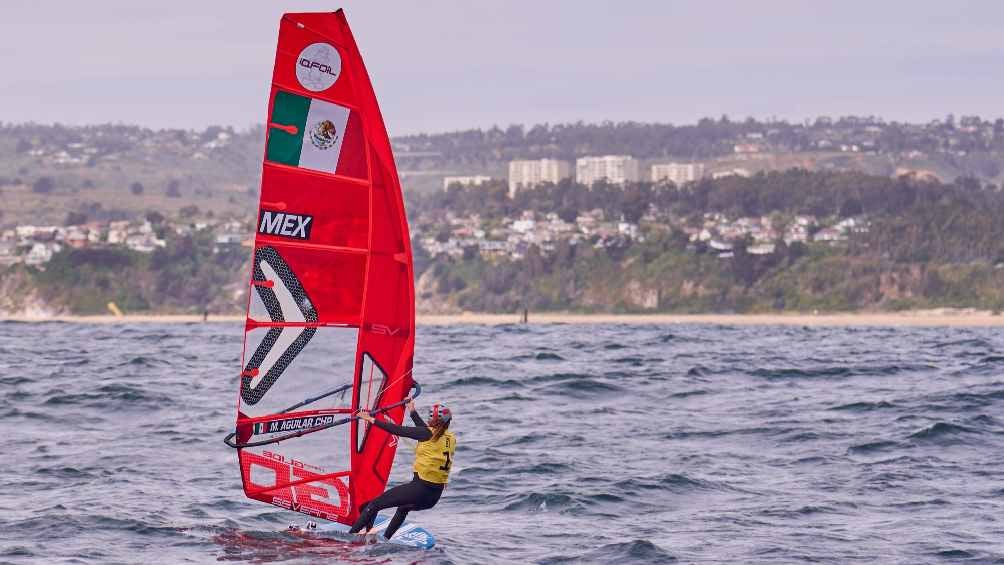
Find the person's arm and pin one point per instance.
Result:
(414, 415)
(420, 433)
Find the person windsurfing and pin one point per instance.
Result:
(433, 460)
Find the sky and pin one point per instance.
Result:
(449, 65)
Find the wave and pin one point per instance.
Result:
(839, 371)
(678, 338)
(801, 373)
(26, 414)
(538, 356)
(689, 393)
(63, 524)
(864, 406)
(15, 380)
(535, 437)
(142, 361)
(536, 502)
(596, 504)
(632, 360)
(941, 432)
(921, 503)
(482, 381)
(583, 388)
(699, 371)
(696, 434)
(515, 396)
(557, 377)
(532, 470)
(16, 551)
(954, 554)
(975, 342)
(670, 482)
(637, 551)
(873, 447)
(969, 400)
(65, 472)
(114, 395)
(803, 511)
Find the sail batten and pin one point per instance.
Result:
(330, 318)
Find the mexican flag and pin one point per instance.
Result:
(317, 135)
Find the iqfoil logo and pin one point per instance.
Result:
(318, 66)
(284, 224)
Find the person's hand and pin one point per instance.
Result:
(410, 403)
(365, 415)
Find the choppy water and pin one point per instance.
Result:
(576, 443)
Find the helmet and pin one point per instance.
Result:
(439, 413)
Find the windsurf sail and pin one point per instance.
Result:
(331, 311)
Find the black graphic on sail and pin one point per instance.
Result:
(286, 301)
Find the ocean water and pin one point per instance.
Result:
(615, 443)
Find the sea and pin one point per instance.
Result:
(576, 444)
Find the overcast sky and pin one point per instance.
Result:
(440, 66)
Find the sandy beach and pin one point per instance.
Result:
(934, 318)
(930, 318)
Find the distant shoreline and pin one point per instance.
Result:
(924, 318)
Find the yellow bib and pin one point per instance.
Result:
(434, 458)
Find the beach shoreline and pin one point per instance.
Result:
(924, 318)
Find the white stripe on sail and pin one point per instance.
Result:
(290, 309)
(290, 313)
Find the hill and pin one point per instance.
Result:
(117, 171)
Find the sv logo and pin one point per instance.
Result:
(383, 329)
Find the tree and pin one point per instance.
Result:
(44, 185)
(75, 218)
(173, 188)
(155, 217)
(568, 213)
(136, 188)
(635, 203)
(23, 146)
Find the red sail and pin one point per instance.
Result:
(332, 288)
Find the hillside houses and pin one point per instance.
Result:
(513, 238)
(35, 245)
(720, 232)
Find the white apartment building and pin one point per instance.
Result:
(476, 180)
(616, 169)
(528, 174)
(677, 173)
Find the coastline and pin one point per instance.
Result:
(921, 318)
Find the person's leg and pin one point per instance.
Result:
(365, 517)
(401, 494)
(397, 520)
(364, 520)
(425, 499)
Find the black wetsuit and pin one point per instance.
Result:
(416, 495)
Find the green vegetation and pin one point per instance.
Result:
(927, 245)
(188, 275)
